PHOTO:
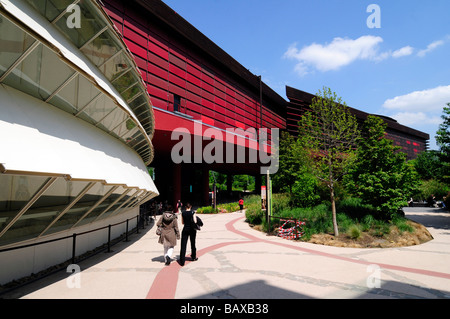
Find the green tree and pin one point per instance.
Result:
(292, 176)
(428, 165)
(380, 175)
(328, 132)
(443, 140)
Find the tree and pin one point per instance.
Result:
(428, 165)
(292, 176)
(443, 140)
(328, 132)
(380, 175)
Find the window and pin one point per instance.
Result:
(176, 103)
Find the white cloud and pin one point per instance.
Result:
(432, 46)
(421, 110)
(405, 51)
(431, 100)
(417, 119)
(339, 53)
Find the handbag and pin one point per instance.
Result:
(159, 230)
(198, 225)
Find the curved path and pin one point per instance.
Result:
(237, 262)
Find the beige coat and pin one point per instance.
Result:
(169, 230)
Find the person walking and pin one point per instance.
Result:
(169, 233)
(241, 204)
(188, 219)
(179, 206)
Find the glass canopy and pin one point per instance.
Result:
(30, 66)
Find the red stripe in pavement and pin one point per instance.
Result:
(328, 255)
(165, 284)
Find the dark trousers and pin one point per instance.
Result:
(185, 235)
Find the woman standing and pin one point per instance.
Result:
(169, 233)
(188, 219)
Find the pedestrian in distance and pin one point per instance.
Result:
(189, 220)
(169, 232)
(241, 204)
(179, 206)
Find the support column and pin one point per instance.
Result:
(258, 184)
(229, 184)
(205, 186)
(176, 182)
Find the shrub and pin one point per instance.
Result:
(354, 232)
(207, 210)
(254, 215)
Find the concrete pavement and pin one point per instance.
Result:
(237, 262)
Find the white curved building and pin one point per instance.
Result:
(76, 125)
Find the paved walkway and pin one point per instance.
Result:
(237, 262)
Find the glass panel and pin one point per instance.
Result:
(90, 21)
(100, 108)
(101, 48)
(114, 118)
(13, 42)
(75, 95)
(124, 127)
(15, 192)
(50, 9)
(116, 205)
(100, 208)
(40, 74)
(131, 91)
(80, 208)
(116, 67)
(44, 210)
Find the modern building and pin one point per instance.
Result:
(93, 93)
(411, 141)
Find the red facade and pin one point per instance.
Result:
(189, 78)
(411, 141)
(181, 78)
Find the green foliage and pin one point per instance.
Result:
(428, 165)
(380, 175)
(354, 232)
(443, 140)
(291, 164)
(431, 187)
(329, 132)
(206, 210)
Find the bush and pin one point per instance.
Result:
(207, 210)
(354, 232)
(254, 215)
(431, 187)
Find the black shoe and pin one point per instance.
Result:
(180, 263)
(167, 260)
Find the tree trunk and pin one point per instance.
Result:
(333, 211)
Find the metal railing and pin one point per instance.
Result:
(140, 223)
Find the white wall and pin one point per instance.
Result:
(23, 262)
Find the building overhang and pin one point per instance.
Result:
(95, 59)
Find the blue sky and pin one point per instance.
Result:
(401, 69)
